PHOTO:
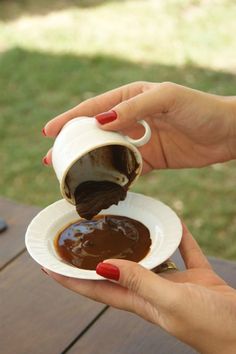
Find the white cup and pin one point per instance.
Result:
(84, 152)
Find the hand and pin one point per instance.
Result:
(194, 305)
(189, 128)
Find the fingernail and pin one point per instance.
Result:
(44, 271)
(44, 132)
(106, 117)
(45, 161)
(108, 271)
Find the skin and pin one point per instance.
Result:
(189, 129)
(194, 305)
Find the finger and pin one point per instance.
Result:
(47, 160)
(191, 252)
(140, 281)
(102, 291)
(92, 107)
(148, 103)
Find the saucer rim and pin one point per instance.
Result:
(168, 216)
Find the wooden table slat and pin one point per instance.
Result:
(38, 315)
(119, 332)
(17, 216)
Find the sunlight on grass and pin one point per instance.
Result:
(170, 32)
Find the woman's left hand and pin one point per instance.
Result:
(194, 305)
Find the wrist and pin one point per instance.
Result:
(215, 347)
(223, 349)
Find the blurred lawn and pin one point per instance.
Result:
(54, 54)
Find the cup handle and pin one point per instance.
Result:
(145, 138)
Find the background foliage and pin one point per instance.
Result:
(54, 54)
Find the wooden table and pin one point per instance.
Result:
(38, 316)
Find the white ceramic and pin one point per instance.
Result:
(81, 153)
(164, 226)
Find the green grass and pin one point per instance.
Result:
(54, 54)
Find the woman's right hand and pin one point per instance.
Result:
(194, 305)
(190, 128)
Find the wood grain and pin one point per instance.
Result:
(119, 332)
(39, 316)
(17, 216)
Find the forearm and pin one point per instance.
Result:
(230, 103)
(211, 343)
(216, 349)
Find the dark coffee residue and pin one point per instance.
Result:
(86, 243)
(92, 196)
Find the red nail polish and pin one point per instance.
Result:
(106, 117)
(45, 161)
(108, 271)
(44, 132)
(44, 271)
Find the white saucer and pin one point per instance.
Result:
(164, 226)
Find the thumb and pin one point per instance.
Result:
(144, 283)
(154, 101)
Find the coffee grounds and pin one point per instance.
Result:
(93, 196)
(86, 243)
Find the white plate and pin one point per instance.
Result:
(164, 226)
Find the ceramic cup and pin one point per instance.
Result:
(84, 152)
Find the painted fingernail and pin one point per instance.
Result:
(106, 117)
(44, 271)
(45, 160)
(108, 271)
(44, 132)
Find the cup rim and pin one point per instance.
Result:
(71, 121)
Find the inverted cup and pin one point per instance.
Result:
(82, 151)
